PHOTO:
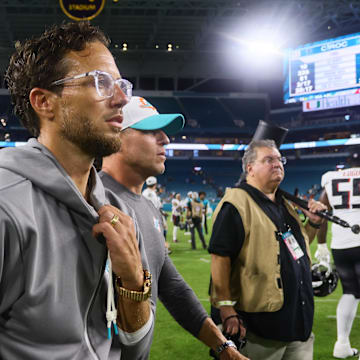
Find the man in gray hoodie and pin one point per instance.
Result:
(61, 243)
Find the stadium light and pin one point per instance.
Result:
(258, 46)
(263, 48)
(259, 35)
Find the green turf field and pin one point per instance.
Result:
(172, 342)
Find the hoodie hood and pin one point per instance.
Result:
(36, 163)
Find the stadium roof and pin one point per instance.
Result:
(195, 26)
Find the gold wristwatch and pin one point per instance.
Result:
(132, 294)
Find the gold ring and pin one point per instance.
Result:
(114, 220)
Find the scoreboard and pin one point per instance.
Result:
(322, 69)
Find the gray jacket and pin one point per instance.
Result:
(167, 284)
(53, 281)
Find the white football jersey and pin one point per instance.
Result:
(152, 196)
(176, 207)
(184, 203)
(343, 191)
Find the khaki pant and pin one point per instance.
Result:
(258, 348)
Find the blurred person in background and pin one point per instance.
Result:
(187, 202)
(159, 190)
(195, 212)
(202, 196)
(151, 192)
(341, 196)
(176, 214)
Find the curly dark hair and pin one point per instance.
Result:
(38, 62)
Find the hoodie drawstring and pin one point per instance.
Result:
(111, 312)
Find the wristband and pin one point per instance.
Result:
(226, 303)
(316, 226)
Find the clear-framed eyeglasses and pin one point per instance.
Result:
(104, 83)
(270, 160)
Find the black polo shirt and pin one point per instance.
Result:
(295, 319)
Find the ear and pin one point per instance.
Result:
(43, 102)
(249, 169)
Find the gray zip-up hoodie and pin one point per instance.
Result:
(52, 280)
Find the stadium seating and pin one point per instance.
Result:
(180, 177)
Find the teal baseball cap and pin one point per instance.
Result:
(139, 114)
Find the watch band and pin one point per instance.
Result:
(225, 345)
(132, 294)
(226, 303)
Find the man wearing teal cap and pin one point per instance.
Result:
(142, 154)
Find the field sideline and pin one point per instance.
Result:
(172, 342)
